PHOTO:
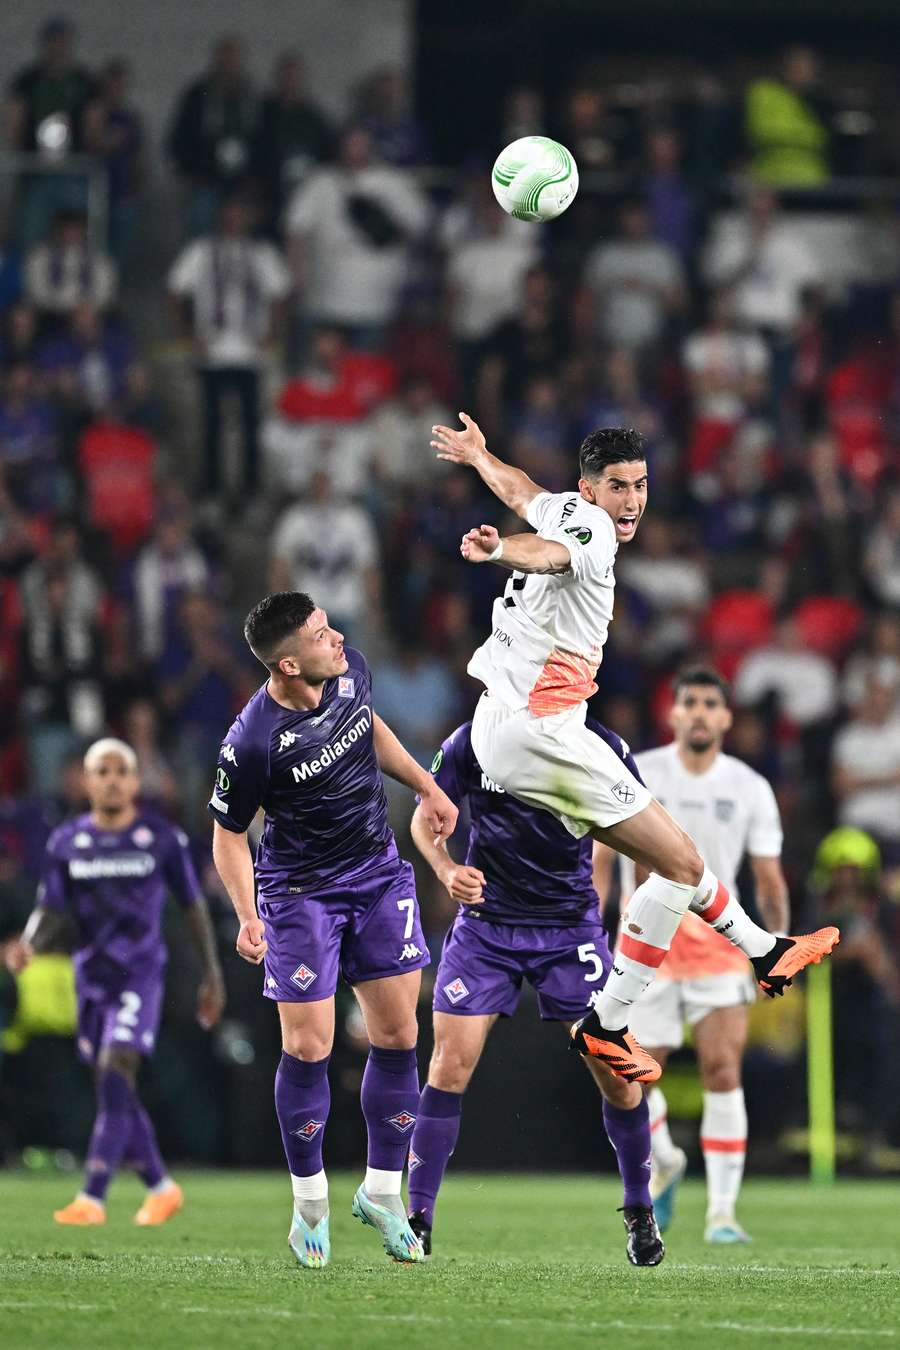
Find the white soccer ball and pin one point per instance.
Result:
(535, 178)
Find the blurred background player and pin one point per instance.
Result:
(731, 811)
(334, 896)
(107, 877)
(528, 910)
(538, 665)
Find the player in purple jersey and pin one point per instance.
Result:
(528, 910)
(107, 877)
(332, 896)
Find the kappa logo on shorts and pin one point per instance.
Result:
(308, 1131)
(414, 1161)
(304, 976)
(409, 952)
(456, 991)
(402, 1122)
(624, 791)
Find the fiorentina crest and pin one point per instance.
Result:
(456, 991)
(346, 687)
(303, 976)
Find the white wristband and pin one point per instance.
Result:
(497, 553)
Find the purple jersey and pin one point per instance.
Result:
(317, 778)
(114, 885)
(535, 872)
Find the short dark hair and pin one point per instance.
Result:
(702, 675)
(610, 445)
(274, 619)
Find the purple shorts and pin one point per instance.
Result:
(128, 1020)
(363, 930)
(483, 965)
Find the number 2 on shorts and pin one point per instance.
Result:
(587, 954)
(131, 1006)
(410, 907)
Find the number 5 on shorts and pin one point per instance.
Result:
(410, 907)
(587, 955)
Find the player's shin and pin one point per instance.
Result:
(723, 913)
(433, 1141)
(723, 1136)
(302, 1103)
(390, 1101)
(143, 1151)
(629, 1134)
(111, 1132)
(654, 913)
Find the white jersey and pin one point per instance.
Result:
(548, 632)
(729, 811)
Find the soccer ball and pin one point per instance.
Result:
(535, 178)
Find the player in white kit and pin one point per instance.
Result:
(528, 733)
(704, 982)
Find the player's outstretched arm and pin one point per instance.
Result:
(234, 865)
(465, 884)
(517, 552)
(211, 994)
(514, 488)
(399, 764)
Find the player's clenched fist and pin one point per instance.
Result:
(465, 884)
(251, 941)
(480, 545)
(439, 811)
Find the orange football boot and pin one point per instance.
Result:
(159, 1206)
(618, 1050)
(83, 1211)
(790, 955)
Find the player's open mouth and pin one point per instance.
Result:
(626, 526)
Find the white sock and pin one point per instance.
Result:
(380, 1182)
(165, 1185)
(663, 1149)
(310, 1188)
(83, 1195)
(719, 909)
(723, 1136)
(654, 913)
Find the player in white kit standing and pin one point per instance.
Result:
(528, 732)
(704, 982)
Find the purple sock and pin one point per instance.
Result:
(390, 1100)
(111, 1132)
(143, 1151)
(302, 1103)
(629, 1134)
(431, 1147)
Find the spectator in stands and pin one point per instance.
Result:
(115, 134)
(524, 114)
(593, 135)
(398, 138)
(638, 283)
(396, 433)
(294, 136)
(140, 728)
(61, 609)
(878, 659)
(319, 418)
(350, 228)
(339, 563)
(486, 263)
(30, 461)
(19, 335)
(229, 293)
(866, 766)
(45, 117)
(768, 263)
(167, 568)
(881, 558)
(669, 198)
(418, 696)
(11, 282)
(671, 583)
(802, 683)
(88, 361)
(68, 270)
(533, 342)
(786, 119)
(213, 134)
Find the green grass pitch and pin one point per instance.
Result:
(520, 1261)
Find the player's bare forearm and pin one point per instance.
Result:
(399, 764)
(45, 931)
(517, 552)
(464, 884)
(234, 865)
(203, 937)
(602, 863)
(772, 898)
(513, 487)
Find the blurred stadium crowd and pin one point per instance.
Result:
(334, 295)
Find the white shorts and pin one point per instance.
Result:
(556, 763)
(659, 1016)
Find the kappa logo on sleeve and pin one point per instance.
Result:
(228, 753)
